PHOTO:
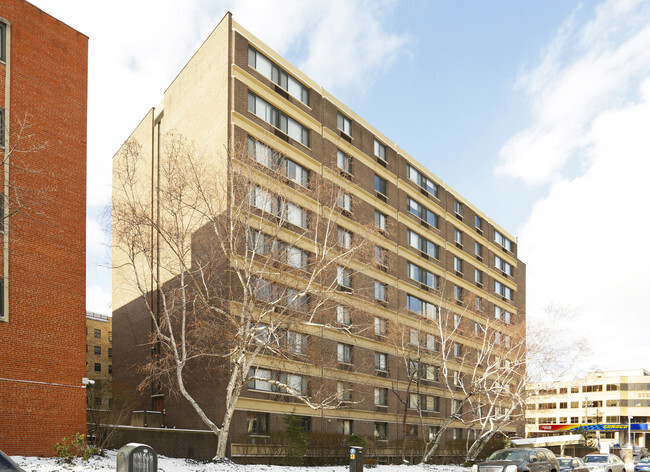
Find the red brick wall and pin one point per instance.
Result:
(42, 346)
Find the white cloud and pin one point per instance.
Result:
(96, 241)
(584, 242)
(98, 299)
(583, 72)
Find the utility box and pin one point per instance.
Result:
(356, 459)
(136, 457)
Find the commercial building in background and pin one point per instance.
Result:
(43, 98)
(99, 360)
(613, 406)
(445, 254)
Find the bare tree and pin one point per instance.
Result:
(238, 259)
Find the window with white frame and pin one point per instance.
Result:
(294, 384)
(457, 405)
(344, 276)
(345, 201)
(458, 236)
(343, 392)
(381, 256)
(458, 264)
(381, 396)
(380, 291)
(380, 326)
(458, 208)
(380, 220)
(457, 319)
(279, 76)
(503, 265)
(478, 303)
(422, 276)
(478, 276)
(381, 361)
(381, 185)
(430, 372)
(432, 343)
(503, 290)
(478, 222)
(422, 212)
(413, 401)
(380, 150)
(344, 238)
(296, 215)
(414, 337)
(423, 182)
(478, 249)
(344, 162)
(296, 300)
(502, 240)
(478, 329)
(345, 427)
(297, 173)
(419, 306)
(344, 353)
(267, 112)
(343, 315)
(343, 123)
(297, 258)
(458, 293)
(381, 431)
(423, 244)
(259, 379)
(296, 342)
(501, 314)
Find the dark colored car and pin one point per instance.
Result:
(572, 464)
(643, 465)
(525, 459)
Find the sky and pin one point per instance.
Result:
(536, 112)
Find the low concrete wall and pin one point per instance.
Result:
(184, 443)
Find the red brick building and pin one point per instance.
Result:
(43, 102)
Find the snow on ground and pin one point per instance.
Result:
(168, 464)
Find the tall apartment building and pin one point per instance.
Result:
(245, 106)
(43, 95)
(99, 360)
(616, 404)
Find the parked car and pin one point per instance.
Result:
(572, 464)
(525, 459)
(643, 465)
(604, 463)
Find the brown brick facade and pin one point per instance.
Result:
(43, 81)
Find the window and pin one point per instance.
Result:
(297, 258)
(380, 431)
(433, 431)
(458, 208)
(380, 150)
(458, 264)
(458, 293)
(503, 265)
(422, 276)
(344, 353)
(3, 42)
(478, 250)
(432, 343)
(278, 119)
(416, 176)
(414, 337)
(381, 396)
(257, 423)
(501, 314)
(381, 361)
(344, 238)
(296, 215)
(502, 240)
(344, 276)
(418, 242)
(98, 367)
(503, 290)
(430, 372)
(259, 379)
(458, 236)
(478, 222)
(457, 434)
(296, 342)
(110, 368)
(478, 276)
(381, 256)
(478, 329)
(292, 383)
(98, 333)
(343, 392)
(345, 427)
(380, 291)
(380, 326)
(458, 350)
(110, 352)
(275, 74)
(380, 185)
(421, 307)
(344, 162)
(269, 203)
(457, 320)
(98, 350)
(412, 431)
(456, 407)
(343, 315)
(266, 156)
(478, 303)
(343, 123)
(297, 301)
(413, 401)
(380, 220)
(421, 212)
(345, 201)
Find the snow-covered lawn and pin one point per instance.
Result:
(167, 464)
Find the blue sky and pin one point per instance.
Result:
(537, 112)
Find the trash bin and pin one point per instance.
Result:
(356, 459)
